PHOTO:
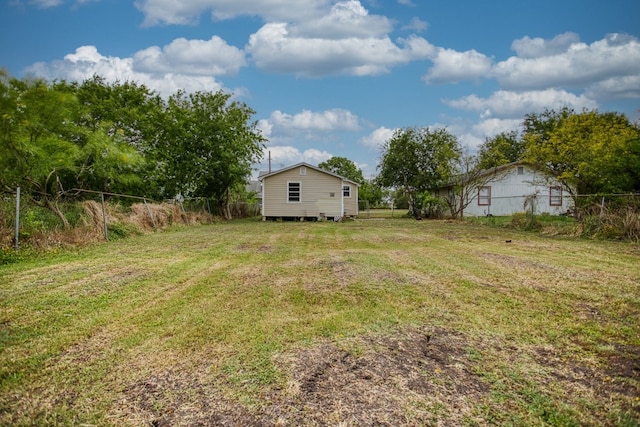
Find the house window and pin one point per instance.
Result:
(520, 170)
(293, 191)
(484, 196)
(303, 170)
(346, 190)
(555, 196)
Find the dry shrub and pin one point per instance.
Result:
(122, 221)
(93, 211)
(631, 224)
(59, 238)
(164, 215)
(617, 224)
(6, 237)
(139, 215)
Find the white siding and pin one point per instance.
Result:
(351, 203)
(509, 190)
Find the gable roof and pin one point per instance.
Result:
(307, 165)
(491, 171)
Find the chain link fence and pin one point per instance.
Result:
(82, 216)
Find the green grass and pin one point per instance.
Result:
(147, 328)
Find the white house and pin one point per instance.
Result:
(304, 191)
(503, 191)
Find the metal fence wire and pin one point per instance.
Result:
(24, 218)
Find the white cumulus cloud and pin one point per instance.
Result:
(345, 19)
(328, 120)
(274, 49)
(509, 104)
(417, 25)
(86, 62)
(450, 66)
(573, 64)
(537, 47)
(377, 138)
(196, 57)
(188, 12)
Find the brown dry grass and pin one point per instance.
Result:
(140, 215)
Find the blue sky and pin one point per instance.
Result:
(335, 78)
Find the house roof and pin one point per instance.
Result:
(297, 165)
(490, 171)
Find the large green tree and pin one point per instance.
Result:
(589, 152)
(122, 137)
(368, 190)
(37, 139)
(416, 160)
(343, 167)
(50, 142)
(501, 149)
(208, 144)
(125, 121)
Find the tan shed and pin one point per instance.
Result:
(304, 191)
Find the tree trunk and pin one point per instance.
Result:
(224, 205)
(53, 207)
(412, 204)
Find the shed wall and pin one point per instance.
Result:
(509, 190)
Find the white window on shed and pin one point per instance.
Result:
(346, 191)
(484, 196)
(303, 170)
(294, 191)
(520, 170)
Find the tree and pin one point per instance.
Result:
(470, 175)
(370, 192)
(416, 160)
(589, 153)
(38, 148)
(343, 167)
(109, 163)
(208, 145)
(500, 150)
(50, 143)
(131, 116)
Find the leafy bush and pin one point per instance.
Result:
(525, 221)
(121, 230)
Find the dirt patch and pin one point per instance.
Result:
(618, 380)
(342, 270)
(416, 378)
(176, 398)
(261, 249)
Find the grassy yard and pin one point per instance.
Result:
(368, 322)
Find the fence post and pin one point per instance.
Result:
(104, 218)
(17, 242)
(153, 222)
